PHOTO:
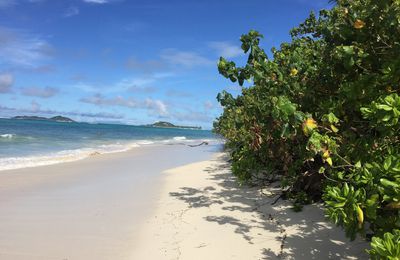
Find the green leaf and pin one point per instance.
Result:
(386, 118)
(358, 164)
(384, 107)
(346, 189)
(339, 204)
(386, 183)
(387, 163)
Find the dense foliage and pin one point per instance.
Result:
(322, 116)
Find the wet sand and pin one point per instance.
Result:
(88, 209)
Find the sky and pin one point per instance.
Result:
(131, 61)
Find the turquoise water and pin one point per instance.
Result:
(25, 143)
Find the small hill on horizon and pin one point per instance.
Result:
(164, 124)
(40, 118)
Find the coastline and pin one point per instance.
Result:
(32, 143)
(86, 209)
(63, 156)
(158, 202)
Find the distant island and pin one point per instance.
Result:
(40, 118)
(163, 124)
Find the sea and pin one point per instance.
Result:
(29, 143)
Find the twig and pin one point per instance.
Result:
(276, 200)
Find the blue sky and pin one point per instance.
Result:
(130, 61)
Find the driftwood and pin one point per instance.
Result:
(195, 145)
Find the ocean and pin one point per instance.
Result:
(28, 143)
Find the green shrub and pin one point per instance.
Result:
(323, 116)
(387, 247)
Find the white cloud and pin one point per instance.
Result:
(192, 116)
(100, 100)
(96, 1)
(36, 1)
(184, 58)
(226, 49)
(139, 84)
(20, 48)
(71, 11)
(6, 82)
(45, 92)
(35, 108)
(126, 84)
(153, 106)
(156, 107)
(168, 58)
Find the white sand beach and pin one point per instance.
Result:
(159, 202)
(202, 213)
(88, 209)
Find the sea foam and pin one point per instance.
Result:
(33, 143)
(10, 163)
(179, 138)
(7, 136)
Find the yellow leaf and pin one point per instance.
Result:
(326, 154)
(309, 125)
(360, 215)
(329, 161)
(334, 129)
(359, 24)
(293, 72)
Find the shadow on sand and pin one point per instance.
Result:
(303, 235)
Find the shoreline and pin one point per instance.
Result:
(86, 209)
(65, 156)
(159, 202)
